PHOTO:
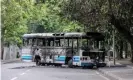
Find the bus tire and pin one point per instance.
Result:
(70, 64)
(83, 67)
(73, 66)
(90, 67)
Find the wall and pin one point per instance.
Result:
(10, 52)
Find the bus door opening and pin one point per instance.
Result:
(67, 60)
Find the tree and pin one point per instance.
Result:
(19, 17)
(123, 21)
(50, 17)
(99, 14)
(13, 22)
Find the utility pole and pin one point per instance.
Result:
(114, 47)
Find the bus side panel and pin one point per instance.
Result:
(86, 64)
(60, 59)
(86, 61)
(26, 55)
(76, 61)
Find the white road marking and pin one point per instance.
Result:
(27, 70)
(97, 72)
(102, 76)
(91, 74)
(14, 78)
(22, 73)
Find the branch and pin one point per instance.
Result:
(121, 28)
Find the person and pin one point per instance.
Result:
(18, 55)
(37, 57)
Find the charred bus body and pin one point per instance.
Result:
(73, 49)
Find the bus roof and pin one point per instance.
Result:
(69, 35)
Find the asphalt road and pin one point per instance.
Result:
(28, 71)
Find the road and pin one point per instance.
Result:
(28, 71)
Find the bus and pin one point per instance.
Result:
(75, 49)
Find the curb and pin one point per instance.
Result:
(127, 66)
(130, 66)
(112, 76)
(10, 61)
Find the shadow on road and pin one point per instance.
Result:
(21, 67)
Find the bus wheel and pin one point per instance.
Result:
(73, 66)
(90, 67)
(70, 64)
(83, 67)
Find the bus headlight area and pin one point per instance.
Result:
(71, 49)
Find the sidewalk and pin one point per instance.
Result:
(126, 62)
(9, 61)
(123, 70)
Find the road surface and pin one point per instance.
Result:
(28, 71)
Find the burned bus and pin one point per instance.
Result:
(72, 49)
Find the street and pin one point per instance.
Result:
(28, 71)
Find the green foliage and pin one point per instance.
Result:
(13, 21)
(103, 16)
(51, 18)
(19, 17)
(95, 15)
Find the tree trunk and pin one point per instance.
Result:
(121, 49)
(122, 29)
(2, 39)
(118, 52)
(131, 52)
(125, 49)
(2, 50)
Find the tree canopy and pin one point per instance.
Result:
(33, 16)
(19, 17)
(104, 16)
